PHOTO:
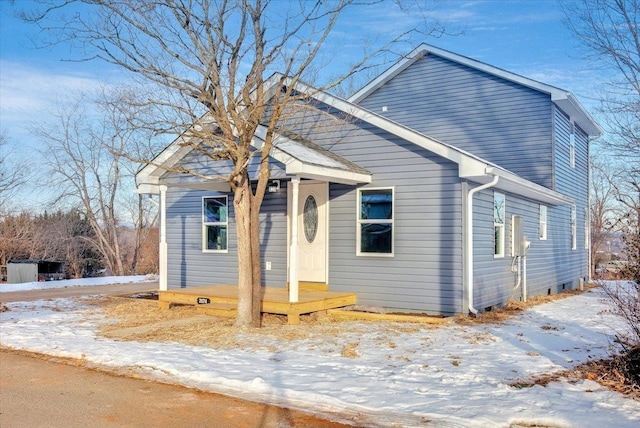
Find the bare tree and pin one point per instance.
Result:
(610, 32)
(16, 235)
(81, 160)
(12, 171)
(604, 207)
(210, 68)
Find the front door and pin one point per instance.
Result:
(312, 232)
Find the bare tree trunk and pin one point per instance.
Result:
(207, 63)
(137, 241)
(242, 210)
(256, 263)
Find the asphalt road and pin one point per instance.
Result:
(37, 391)
(52, 293)
(40, 393)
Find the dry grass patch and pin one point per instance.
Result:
(142, 321)
(607, 372)
(350, 350)
(513, 308)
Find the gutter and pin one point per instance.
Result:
(469, 231)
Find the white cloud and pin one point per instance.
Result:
(26, 91)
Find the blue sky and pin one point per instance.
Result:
(525, 37)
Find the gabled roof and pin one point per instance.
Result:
(565, 100)
(300, 156)
(305, 160)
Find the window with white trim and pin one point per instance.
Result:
(574, 243)
(586, 228)
(375, 222)
(542, 233)
(215, 224)
(498, 224)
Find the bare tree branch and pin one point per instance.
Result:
(207, 68)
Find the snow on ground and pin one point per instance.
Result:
(81, 282)
(452, 376)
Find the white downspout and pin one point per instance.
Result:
(163, 240)
(469, 249)
(293, 252)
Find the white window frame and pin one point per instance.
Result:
(572, 147)
(499, 226)
(215, 223)
(574, 241)
(587, 229)
(542, 230)
(360, 221)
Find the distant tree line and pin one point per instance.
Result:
(99, 224)
(68, 236)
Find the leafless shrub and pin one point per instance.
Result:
(625, 299)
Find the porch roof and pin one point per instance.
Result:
(305, 159)
(300, 156)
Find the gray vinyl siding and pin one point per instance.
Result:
(551, 264)
(189, 266)
(425, 273)
(498, 120)
(573, 182)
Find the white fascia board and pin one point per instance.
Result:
(173, 153)
(154, 189)
(218, 186)
(571, 106)
(528, 189)
(321, 173)
(468, 168)
(169, 156)
(147, 189)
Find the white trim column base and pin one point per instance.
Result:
(293, 252)
(163, 250)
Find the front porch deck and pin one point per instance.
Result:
(222, 300)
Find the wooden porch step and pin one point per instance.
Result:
(227, 310)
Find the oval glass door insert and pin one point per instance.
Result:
(310, 218)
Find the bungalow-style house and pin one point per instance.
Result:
(444, 186)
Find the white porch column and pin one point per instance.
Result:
(293, 252)
(163, 239)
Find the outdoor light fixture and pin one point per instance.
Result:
(274, 186)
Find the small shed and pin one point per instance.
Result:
(19, 271)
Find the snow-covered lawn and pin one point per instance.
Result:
(81, 282)
(393, 375)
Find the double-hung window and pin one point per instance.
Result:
(214, 224)
(574, 243)
(542, 233)
(375, 222)
(498, 224)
